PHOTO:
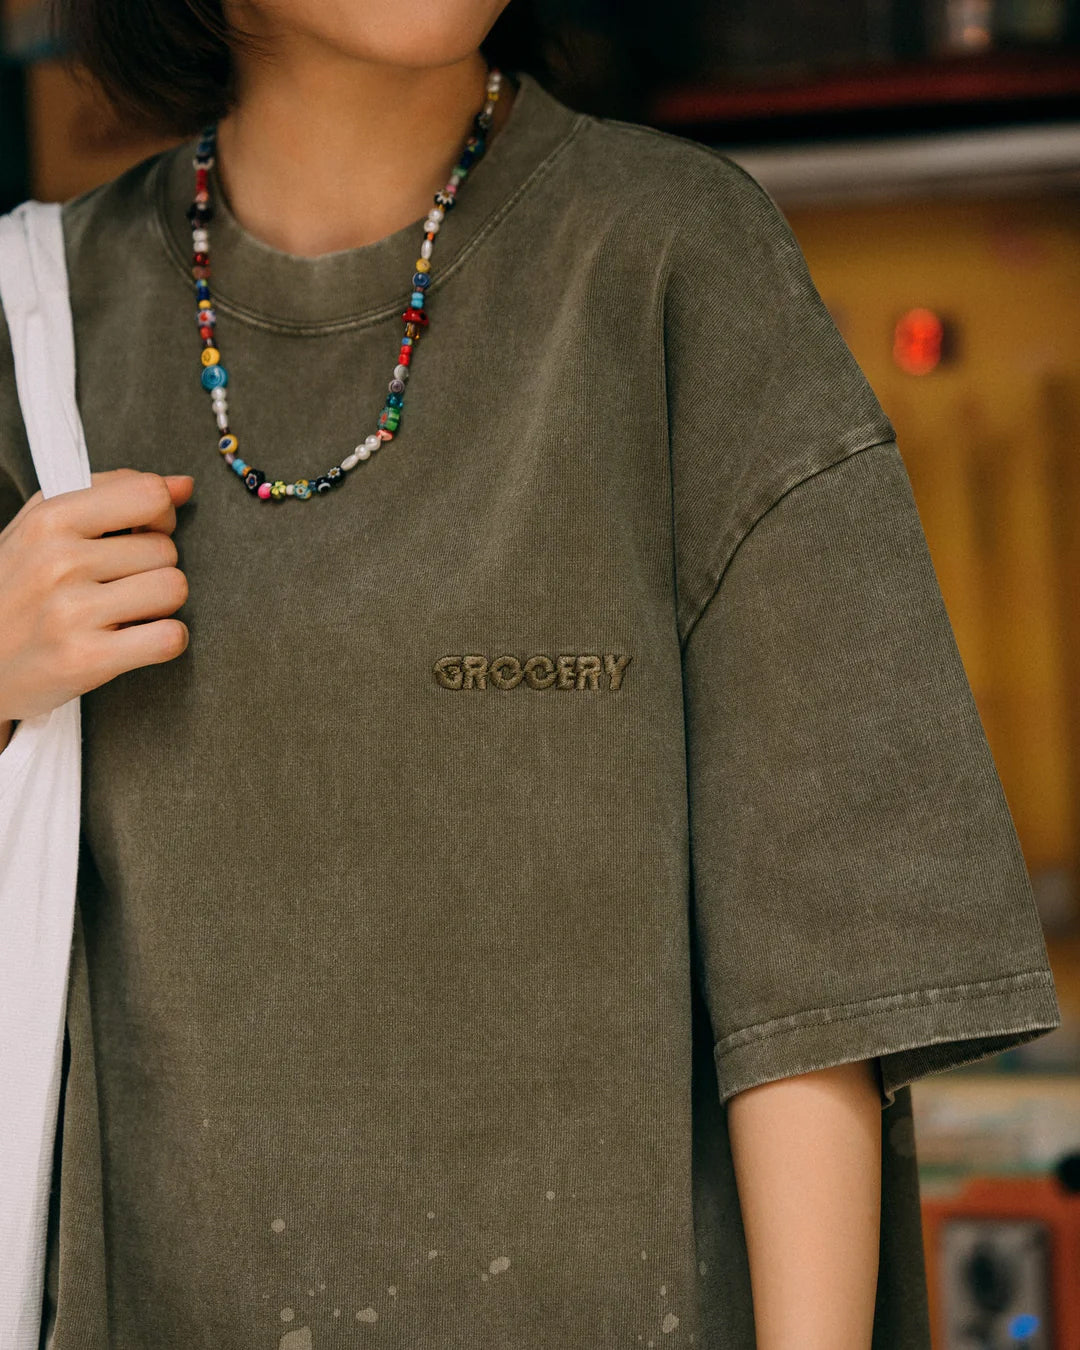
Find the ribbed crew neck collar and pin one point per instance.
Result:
(357, 286)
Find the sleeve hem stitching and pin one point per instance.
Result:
(760, 1031)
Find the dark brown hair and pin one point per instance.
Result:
(166, 65)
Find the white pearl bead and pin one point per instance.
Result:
(350, 462)
(401, 372)
(372, 442)
(223, 420)
(431, 226)
(425, 248)
(489, 108)
(218, 398)
(436, 213)
(290, 489)
(362, 452)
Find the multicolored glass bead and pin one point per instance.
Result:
(215, 377)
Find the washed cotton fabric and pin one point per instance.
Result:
(598, 750)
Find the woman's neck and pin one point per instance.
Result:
(321, 154)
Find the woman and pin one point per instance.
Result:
(515, 918)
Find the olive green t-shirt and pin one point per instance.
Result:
(597, 749)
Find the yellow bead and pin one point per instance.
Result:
(277, 489)
(228, 442)
(205, 304)
(422, 265)
(210, 356)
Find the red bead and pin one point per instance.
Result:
(404, 356)
(412, 315)
(202, 257)
(206, 332)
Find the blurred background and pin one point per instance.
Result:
(927, 156)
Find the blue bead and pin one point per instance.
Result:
(394, 400)
(203, 290)
(213, 377)
(417, 299)
(239, 467)
(421, 281)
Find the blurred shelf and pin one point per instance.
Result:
(995, 161)
(959, 91)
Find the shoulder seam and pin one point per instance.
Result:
(878, 440)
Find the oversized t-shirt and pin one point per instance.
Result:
(598, 749)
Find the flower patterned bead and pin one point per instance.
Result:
(336, 474)
(302, 489)
(277, 489)
(254, 479)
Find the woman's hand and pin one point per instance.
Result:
(75, 595)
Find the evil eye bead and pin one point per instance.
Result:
(227, 444)
(210, 356)
(322, 484)
(213, 377)
(302, 489)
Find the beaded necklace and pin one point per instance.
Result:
(214, 375)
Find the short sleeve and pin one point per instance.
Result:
(858, 888)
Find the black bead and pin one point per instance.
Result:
(253, 479)
(200, 212)
(321, 484)
(336, 474)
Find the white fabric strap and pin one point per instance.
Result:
(40, 786)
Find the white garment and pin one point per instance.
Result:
(40, 787)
